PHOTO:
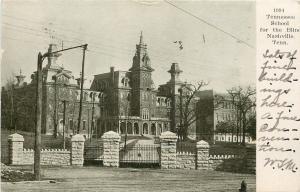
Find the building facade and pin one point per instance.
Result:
(129, 101)
(60, 102)
(212, 110)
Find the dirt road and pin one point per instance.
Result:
(129, 179)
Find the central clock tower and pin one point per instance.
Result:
(141, 81)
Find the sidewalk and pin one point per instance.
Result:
(131, 180)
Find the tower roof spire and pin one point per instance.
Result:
(141, 38)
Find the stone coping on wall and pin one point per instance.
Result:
(78, 138)
(111, 135)
(202, 144)
(16, 137)
(185, 153)
(47, 150)
(168, 136)
(226, 156)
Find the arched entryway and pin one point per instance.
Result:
(145, 128)
(129, 128)
(136, 128)
(123, 127)
(153, 129)
(160, 130)
(60, 127)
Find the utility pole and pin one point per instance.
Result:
(180, 106)
(12, 111)
(126, 121)
(88, 123)
(55, 108)
(39, 84)
(64, 123)
(37, 146)
(81, 89)
(93, 123)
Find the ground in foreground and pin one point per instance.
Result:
(129, 179)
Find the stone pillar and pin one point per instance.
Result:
(15, 147)
(168, 150)
(111, 147)
(250, 159)
(77, 149)
(202, 155)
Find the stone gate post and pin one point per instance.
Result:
(77, 149)
(202, 155)
(250, 159)
(111, 145)
(15, 149)
(168, 150)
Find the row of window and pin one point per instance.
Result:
(162, 101)
(145, 113)
(225, 116)
(73, 124)
(228, 105)
(229, 138)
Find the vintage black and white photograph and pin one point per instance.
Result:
(135, 95)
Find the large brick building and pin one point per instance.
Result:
(213, 108)
(117, 100)
(59, 86)
(129, 100)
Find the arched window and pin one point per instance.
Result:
(166, 127)
(168, 102)
(125, 81)
(123, 127)
(158, 101)
(145, 114)
(160, 130)
(145, 128)
(129, 128)
(153, 129)
(136, 128)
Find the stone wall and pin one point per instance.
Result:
(111, 147)
(168, 150)
(232, 163)
(250, 159)
(77, 150)
(48, 157)
(202, 155)
(201, 160)
(61, 157)
(185, 160)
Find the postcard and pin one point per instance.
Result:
(150, 95)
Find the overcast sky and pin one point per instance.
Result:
(112, 29)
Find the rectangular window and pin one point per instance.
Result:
(101, 111)
(93, 124)
(71, 124)
(83, 124)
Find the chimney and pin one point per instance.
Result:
(112, 75)
(20, 79)
(175, 72)
(52, 56)
(79, 80)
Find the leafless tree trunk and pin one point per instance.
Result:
(242, 99)
(187, 107)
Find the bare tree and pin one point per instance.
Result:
(187, 106)
(9, 95)
(243, 100)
